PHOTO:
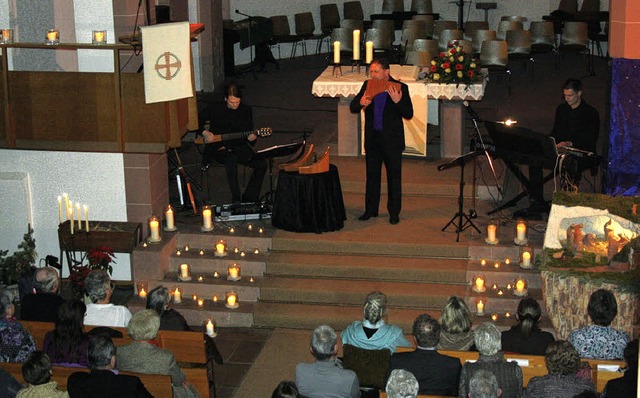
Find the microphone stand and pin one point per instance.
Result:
(250, 18)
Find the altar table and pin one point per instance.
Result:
(347, 85)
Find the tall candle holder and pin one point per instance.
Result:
(356, 63)
(170, 221)
(492, 233)
(337, 70)
(366, 69)
(207, 220)
(209, 328)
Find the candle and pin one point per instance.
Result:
(154, 227)
(494, 317)
(86, 217)
(242, 254)
(99, 37)
(507, 261)
(79, 217)
(480, 308)
(215, 298)
(526, 259)
(66, 202)
(483, 262)
(336, 52)
(234, 271)
(231, 300)
(356, 44)
(480, 284)
(232, 230)
(236, 250)
(60, 208)
(210, 330)
(142, 293)
(509, 287)
(369, 52)
(52, 35)
(168, 215)
(216, 274)
(200, 302)
(250, 227)
(200, 278)
(202, 252)
(220, 248)
(184, 271)
(195, 297)
(521, 230)
(507, 314)
(70, 215)
(520, 286)
(260, 230)
(206, 219)
(177, 296)
(178, 252)
(144, 244)
(256, 251)
(496, 265)
(491, 233)
(251, 280)
(500, 292)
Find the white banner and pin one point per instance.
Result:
(167, 62)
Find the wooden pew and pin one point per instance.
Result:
(157, 385)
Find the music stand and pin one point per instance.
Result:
(277, 151)
(457, 219)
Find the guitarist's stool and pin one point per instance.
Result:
(216, 171)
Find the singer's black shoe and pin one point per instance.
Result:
(366, 215)
(393, 220)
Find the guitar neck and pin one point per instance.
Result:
(235, 136)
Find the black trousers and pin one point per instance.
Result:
(231, 159)
(377, 155)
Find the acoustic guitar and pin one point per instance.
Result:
(219, 139)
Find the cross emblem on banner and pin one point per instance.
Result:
(168, 65)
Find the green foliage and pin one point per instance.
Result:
(13, 267)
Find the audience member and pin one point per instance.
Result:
(44, 303)
(526, 337)
(15, 342)
(144, 357)
(102, 382)
(484, 384)
(626, 385)
(455, 322)
(286, 389)
(372, 333)
(9, 386)
(508, 374)
(67, 344)
(101, 312)
(437, 374)
(563, 364)
(325, 377)
(170, 319)
(401, 384)
(36, 371)
(600, 340)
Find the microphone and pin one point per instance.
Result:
(243, 14)
(471, 112)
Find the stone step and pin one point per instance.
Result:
(236, 234)
(250, 265)
(503, 275)
(209, 286)
(387, 268)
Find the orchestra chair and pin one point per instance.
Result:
(428, 45)
(481, 36)
(439, 26)
(416, 24)
(382, 42)
(543, 38)
(352, 24)
(407, 39)
(504, 26)
(418, 58)
(422, 7)
(568, 6)
(575, 39)
(329, 20)
(596, 38)
(446, 36)
(519, 48)
(428, 23)
(345, 37)
(321, 165)
(494, 56)
(305, 30)
(304, 158)
(391, 6)
(516, 18)
(466, 45)
(590, 6)
(386, 27)
(352, 10)
(471, 27)
(282, 33)
(369, 365)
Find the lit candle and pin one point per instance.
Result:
(66, 202)
(526, 259)
(491, 232)
(98, 36)
(369, 52)
(483, 262)
(521, 230)
(168, 215)
(177, 296)
(200, 302)
(178, 252)
(480, 308)
(234, 271)
(202, 252)
(184, 271)
(509, 287)
(261, 230)
(220, 248)
(232, 230)
(496, 265)
(520, 286)
(144, 244)
(251, 280)
(70, 215)
(86, 217)
(494, 286)
(210, 330)
(52, 35)
(231, 300)
(186, 248)
(256, 251)
(200, 278)
(142, 293)
(494, 317)
(215, 298)
(236, 250)
(206, 219)
(500, 292)
(60, 208)
(507, 314)
(79, 216)
(336, 52)
(216, 274)
(154, 227)
(195, 297)
(356, 44)
(242, 254)
(507, 261)
(250, 227)
(479, 284)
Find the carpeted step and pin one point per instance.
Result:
(408, 269)
(353, 292)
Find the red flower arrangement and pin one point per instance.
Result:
(454, 66)
(100, 257)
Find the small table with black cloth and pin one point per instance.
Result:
(309, 202)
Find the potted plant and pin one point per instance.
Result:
(100, 257)
(14, 266)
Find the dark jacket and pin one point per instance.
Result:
(437, 374)
(535, 344)
(105, 384)
(41, 307)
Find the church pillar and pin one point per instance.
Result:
(146, 186)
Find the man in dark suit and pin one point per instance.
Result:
(437, 374)
(102, 382)
(383, 138)
(43, 304)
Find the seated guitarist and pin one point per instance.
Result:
(234, 117)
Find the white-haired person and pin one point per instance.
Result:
(142, 356)
(484, 384)
(159, 299)
(372, 333)
(509, 374)
(43, 304)
(101, 312)
(325, 377)
(401, 384)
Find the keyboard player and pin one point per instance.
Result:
(576, 125)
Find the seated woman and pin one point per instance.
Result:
(508, 374)
(626, 385)
(526, 337)
(144, 357)
(563, 364)
(600, 340)
(67, 344)
(373, 333)
(455, 323)
(170, 319)
(15, 342)
(37, 372)
(101, 312)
